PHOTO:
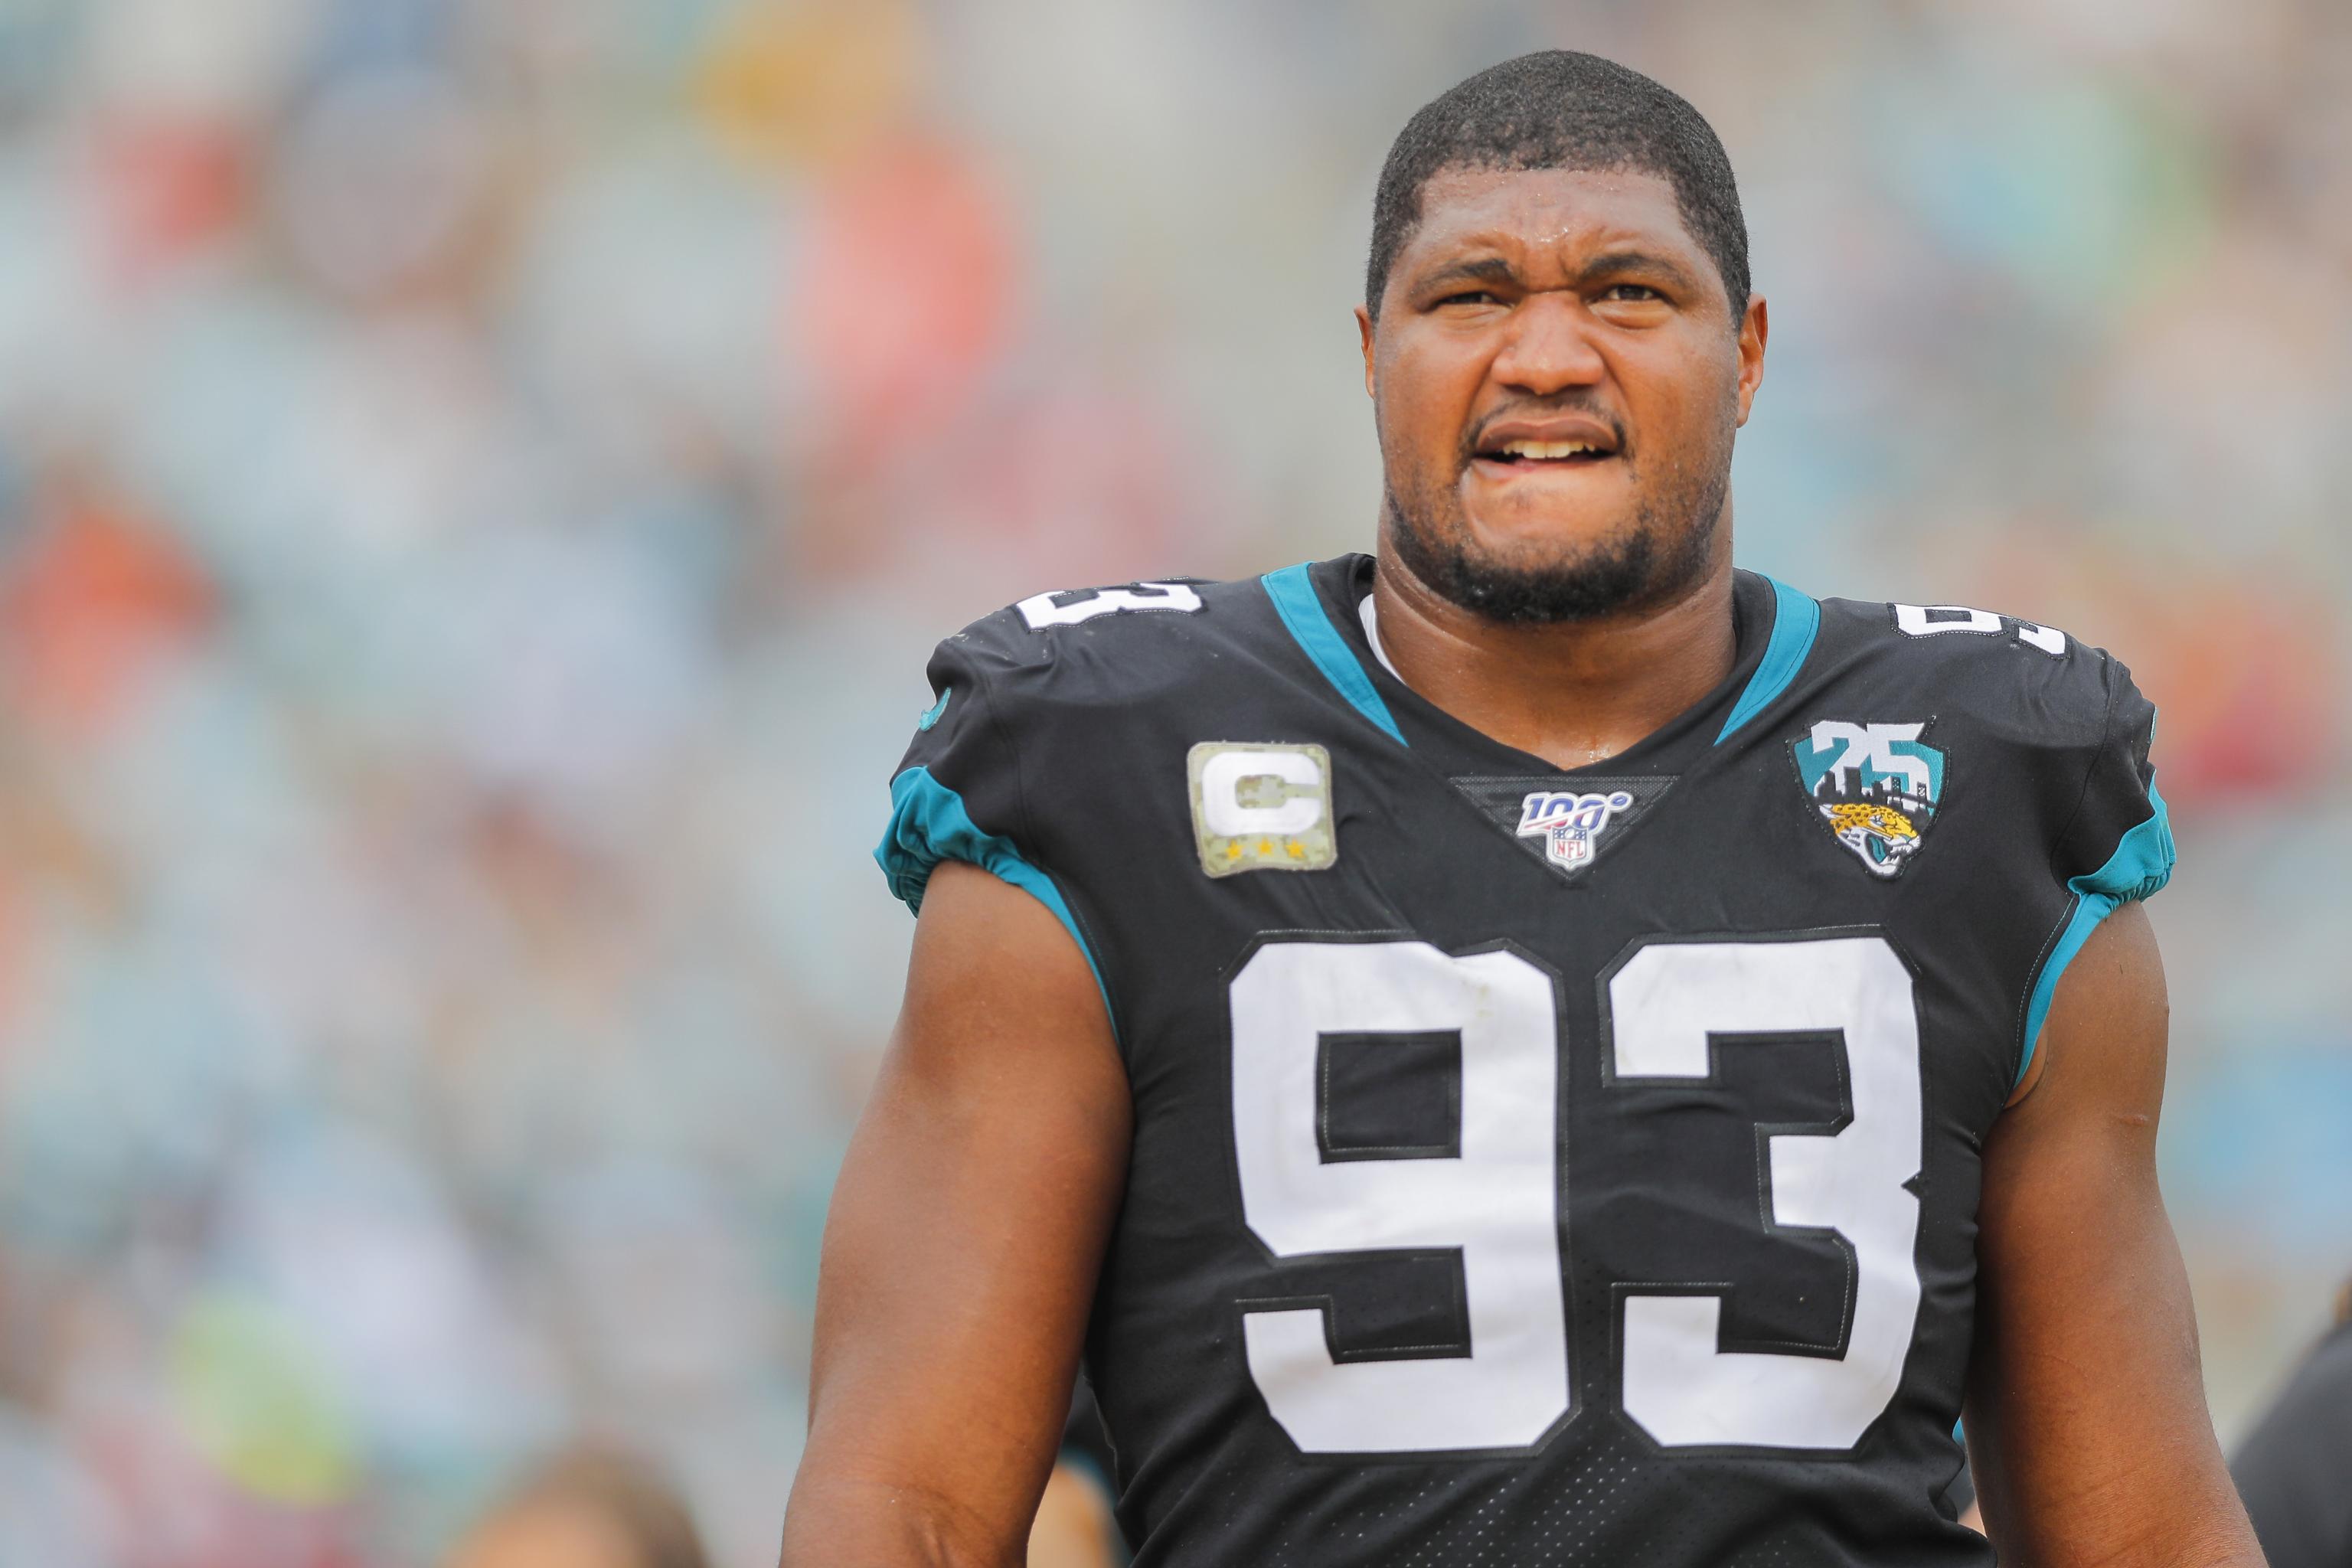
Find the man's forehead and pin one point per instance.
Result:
(1508, 209)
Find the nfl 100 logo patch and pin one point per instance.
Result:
(1570, 822)
(1565, 828)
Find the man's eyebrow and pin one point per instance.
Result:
(1638, 261)
(1469, 269)
(1499, 269)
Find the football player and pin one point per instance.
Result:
(1534, 1045)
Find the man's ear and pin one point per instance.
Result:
(1364, 329)
(1755, 326)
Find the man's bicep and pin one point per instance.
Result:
(969, 1222)
(2087, 1419)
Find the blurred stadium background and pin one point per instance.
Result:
(479, 482)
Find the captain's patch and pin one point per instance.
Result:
(1877, 787)
(1259, 807)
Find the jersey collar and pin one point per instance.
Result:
(1327, 605)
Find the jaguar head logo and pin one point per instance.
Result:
(1881, 835)
(1878, 786)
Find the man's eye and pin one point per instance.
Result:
(1470, 296)
(1631, 291)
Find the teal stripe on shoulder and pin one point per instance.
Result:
(2141, 866)
(1294, 600)
(929, 824)
(1796, 622)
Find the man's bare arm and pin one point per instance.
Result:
(2086, 1419)
(962, 1245)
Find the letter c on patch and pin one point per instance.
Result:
(1221, 802)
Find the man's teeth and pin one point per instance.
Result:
(1546, 449)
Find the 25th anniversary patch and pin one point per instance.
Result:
(1876, 786)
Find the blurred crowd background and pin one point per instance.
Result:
(479, 480)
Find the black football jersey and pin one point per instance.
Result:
(1541, 1166)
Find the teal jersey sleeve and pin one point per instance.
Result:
(2116, 845)
(958, 792)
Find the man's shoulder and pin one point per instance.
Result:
(1044, 712)
(1045, 621)
(1140, 642)
(2026, 682)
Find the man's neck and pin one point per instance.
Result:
(1573, 694)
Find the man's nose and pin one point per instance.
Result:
(1548, 347)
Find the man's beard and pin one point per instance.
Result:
(1664, 553)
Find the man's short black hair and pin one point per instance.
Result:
(1560, 110)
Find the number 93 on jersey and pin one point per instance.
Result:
(1493, 1187)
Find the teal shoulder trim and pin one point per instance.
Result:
(1796, 622)
(2141, 866)
(1296, 602)
(929, 824)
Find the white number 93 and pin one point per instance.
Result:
(1498, 1200)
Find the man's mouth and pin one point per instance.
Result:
(1537, 453)
(1523, 445)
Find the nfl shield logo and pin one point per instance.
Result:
(1570, 822)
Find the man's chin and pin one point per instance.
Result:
(1588, 499)
(1538, 561)
(1533, 581)
(1548, 541)
(1547, 519)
